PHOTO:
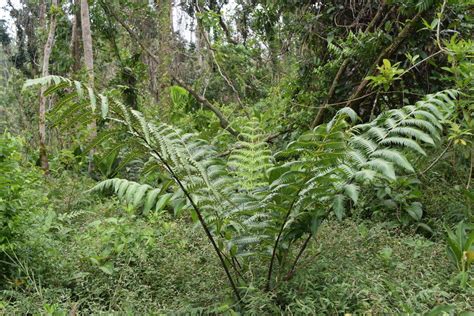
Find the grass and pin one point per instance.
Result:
(95, 256)
(368, 268)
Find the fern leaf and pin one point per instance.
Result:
(150, 200)
(383, 166)
(104, 106)
(92, 99)
(404, 142)
(352, 191)
(412, 132)
(338, 206)
(162, 201)
(363, 143)
(395, 157)
(139, 194)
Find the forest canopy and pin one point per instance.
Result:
(236, 157)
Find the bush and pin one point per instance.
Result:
(18, 183)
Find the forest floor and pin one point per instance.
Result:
(93, 255)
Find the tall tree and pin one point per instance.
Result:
(48, 47)
(76, 37)
(89, 62)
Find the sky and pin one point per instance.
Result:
(181, 21)
(5, 14)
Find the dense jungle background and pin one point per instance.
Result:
(236, 157)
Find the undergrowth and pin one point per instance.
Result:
(97, 256)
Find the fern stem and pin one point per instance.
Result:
(201, 220)
(272, 260)
(196, 209)
(468, 185)
(232, 260)
(437, 158)
(300, 253)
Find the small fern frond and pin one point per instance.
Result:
(136, 194)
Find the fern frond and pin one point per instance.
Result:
(403, 142)
(412, 132)
(382, 166)
(395, 157)
(136, 194)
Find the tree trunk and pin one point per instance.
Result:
(76, 37)
(165, 24)
(48, 47)
(89, 62)
(42, 14)
(319, 117)
(386, 53)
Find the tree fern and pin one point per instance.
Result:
(246, 205)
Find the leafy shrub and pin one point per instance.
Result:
(17, 195)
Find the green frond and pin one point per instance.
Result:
(365, 175)
(395, 157)
(52, 89)
(352, 191)
(143, 124)
(382, 166)
(422, 124)
(134, 193)
(79, 90)
(67, 99)
(251, 158)
(348, 112)
(420, 114)
(92, 99)
(45, 81)
(411, 132)
(377, 133)
(357, 157)
(364, 144)
(338, 205)
(104, 105)
(99, 139)
(403, 142)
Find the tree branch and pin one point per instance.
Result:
(387, 52)
(219, 69)
(319, 117)
(201, 99)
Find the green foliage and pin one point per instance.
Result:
(332, 219)
(137, 195)
(251, 158)
(179, 96)
(462, 75)
(461, 247)
(388, 74)
(402, 199)
(16, 183)
(322, 173)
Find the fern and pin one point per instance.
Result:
(386, 138)
(247, 205)
(138, 195)
(251, 158)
